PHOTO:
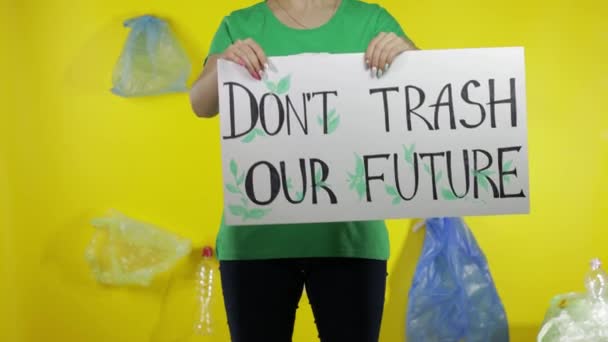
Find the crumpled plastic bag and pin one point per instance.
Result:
(453, 297)
(579, 317)
(124, 251)
(152, 61)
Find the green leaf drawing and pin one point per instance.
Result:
(241, 210)
(506, 167)
(331, 113)
(284, 85)
(237, 210)
(427, 169)
(233, 189)
(289, 184)
(360, 169)
(271, 86)
(391, 190)
(361, 189)
(333, 124)
(486, 173)
(438, 176)
(356, 181)
(249, 137)
(352, 183)
(447, 194)
(255, 213)
(483, 181)
(299, 196)
(408, 153)
(233, 167)
(240, 180)
(332, 119)
(318, 177)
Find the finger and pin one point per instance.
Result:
(241, 51)
(395, 51)
(380, 48)
(232, 56)
(258, 51)
(253, 58)
(394, 43)
(244, 62)
(371, 47)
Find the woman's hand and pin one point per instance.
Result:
(204, 93)
(248, 54)
(383, 49)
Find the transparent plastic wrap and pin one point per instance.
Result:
(124, 251)
(579, 317)
(152, 61)
(453, 297)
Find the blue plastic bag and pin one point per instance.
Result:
(453, 297)
(152, 61)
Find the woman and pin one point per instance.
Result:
(342, 265)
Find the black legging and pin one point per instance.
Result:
(346, 296)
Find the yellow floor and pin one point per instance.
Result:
(69, 150)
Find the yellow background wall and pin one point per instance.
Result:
(69, 150)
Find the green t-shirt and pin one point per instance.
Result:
(350, 30)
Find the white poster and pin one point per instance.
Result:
(442, 133)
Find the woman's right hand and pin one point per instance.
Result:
(248, 54)
(204, 92)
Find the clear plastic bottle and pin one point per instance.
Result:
(204, 293)
(596, 282)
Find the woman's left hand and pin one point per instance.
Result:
(383, 49)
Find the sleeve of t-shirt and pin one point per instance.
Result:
(221, 40)
(387, 23)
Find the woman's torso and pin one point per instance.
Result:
(350, 30)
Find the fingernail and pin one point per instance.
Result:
(374, 71)
(380, 73)
(266, 66)
(386, 67)
(261, 74)
(366, 64)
